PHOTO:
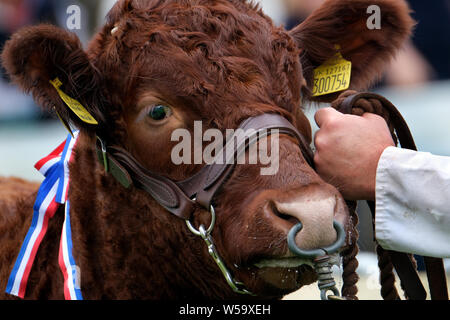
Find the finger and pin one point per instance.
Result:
(317, 160)
(372, 116)
(324, 115)
(318, 139)
(320, 166)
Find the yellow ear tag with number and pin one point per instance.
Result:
(73, 104)
(332, 76)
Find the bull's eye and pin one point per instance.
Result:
(160, 112)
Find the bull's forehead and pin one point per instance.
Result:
(188, 22)
(189, 48)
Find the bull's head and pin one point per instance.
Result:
(159, 65)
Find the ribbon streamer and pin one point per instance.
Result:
(52, 193)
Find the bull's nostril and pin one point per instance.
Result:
(280, 214)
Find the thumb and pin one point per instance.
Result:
(324, 115)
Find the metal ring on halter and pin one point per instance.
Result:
(315, 252)
(236, 286)
(211, 225)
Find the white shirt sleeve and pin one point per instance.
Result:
(413, 202)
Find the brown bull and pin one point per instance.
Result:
(216, 61)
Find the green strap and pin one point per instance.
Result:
(114, 168)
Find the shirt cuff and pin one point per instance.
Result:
(411, 194)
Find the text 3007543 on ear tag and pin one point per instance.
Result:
(332, 76)
(73, 104)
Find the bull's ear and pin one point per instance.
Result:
(35, 56)
(351, 25)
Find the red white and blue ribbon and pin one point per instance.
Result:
(70, 270)
(52, 193)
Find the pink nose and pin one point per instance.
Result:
(316, 216)
(315, 206)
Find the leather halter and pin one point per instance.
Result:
(178, 197)
(182, 198)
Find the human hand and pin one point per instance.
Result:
(348, 149)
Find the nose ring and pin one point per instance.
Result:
(316, 252)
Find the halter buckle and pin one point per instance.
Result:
(104, 154)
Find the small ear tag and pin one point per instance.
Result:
(73, 104)
(332, 76)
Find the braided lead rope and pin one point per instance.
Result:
(387, 278)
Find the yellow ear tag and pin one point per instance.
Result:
(332, 76)
(73, 104)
